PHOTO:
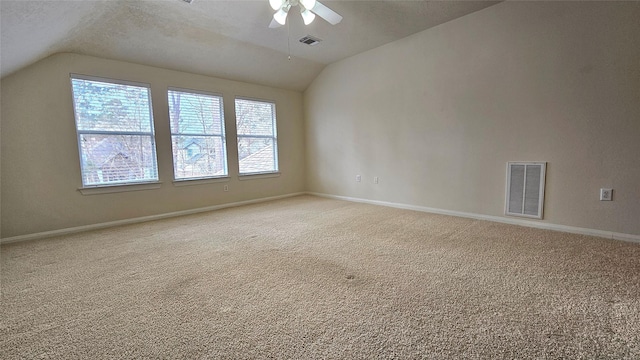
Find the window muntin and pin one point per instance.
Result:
(257, 136)
(197, 135)
(114, 124)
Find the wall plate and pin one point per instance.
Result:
(606, 194)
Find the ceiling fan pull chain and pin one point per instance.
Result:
(289, 39)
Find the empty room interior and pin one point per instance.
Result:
(305, 179)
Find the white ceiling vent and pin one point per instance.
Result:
(525, 189)
(310, 40)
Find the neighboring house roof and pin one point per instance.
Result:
(255, 162)
(107, 150)
(194, 141)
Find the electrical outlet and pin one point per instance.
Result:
(375, 179)
(606, 194)
(226, 188)
(358, 178)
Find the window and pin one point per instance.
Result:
(197, 135)
(115, 132)
(257, 139)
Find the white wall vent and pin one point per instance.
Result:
(525, 189)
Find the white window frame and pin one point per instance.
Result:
(273, 137)
(131, 185)
(223, 137)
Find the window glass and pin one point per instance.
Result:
(114, 124)
(257, 136)
(197, 135)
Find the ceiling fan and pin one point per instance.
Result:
(308, 9)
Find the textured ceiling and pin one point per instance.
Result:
(228, 39)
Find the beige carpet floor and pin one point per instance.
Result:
(313, 278)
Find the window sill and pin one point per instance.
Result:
(189, 182)
(108, 189)
(258, 176)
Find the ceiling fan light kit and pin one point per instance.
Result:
(276, 4)
(307, 16)
(281, 16)
(309, 4)
(308, 9)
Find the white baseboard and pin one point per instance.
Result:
(506, 220)
(78, 229)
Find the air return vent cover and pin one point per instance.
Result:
(310, 40)
(525, 189)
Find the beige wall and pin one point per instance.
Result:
(40, 166)
(437, 115)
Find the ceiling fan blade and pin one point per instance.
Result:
(324, 12)
(274, 24)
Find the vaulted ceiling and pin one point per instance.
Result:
(227, 39)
